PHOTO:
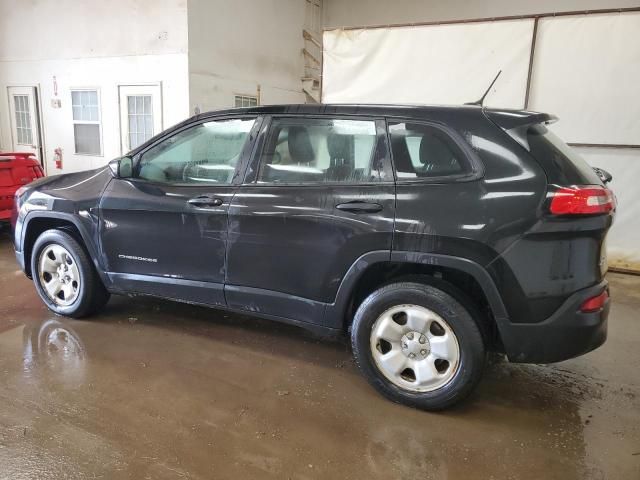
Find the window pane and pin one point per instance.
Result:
(148, 125)
(140, 119)
(133, 132)
(139, 124)
(85, 105)
(147, 104)
(317, 151)
(206, 153)
(245, 101)
(422, 151)
(93, 113)
(24, 134)
(87, 138)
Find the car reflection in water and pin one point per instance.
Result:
(53, 350)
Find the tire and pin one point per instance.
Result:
(434, 356)
(81, 292)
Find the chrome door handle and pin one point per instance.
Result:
(204, 201)
(359, 207)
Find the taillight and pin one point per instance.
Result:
(594, 304)
(588, 200)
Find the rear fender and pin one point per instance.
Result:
(335, 313)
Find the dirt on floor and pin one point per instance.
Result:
(153, 389)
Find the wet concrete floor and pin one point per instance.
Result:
(153, 389)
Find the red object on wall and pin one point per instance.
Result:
(16, 169)
(57, 158)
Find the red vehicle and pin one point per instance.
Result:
(16, 169)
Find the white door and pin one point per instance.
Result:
(25, 120)
(140, 114)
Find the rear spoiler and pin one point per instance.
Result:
(516, 122)
(510, 119)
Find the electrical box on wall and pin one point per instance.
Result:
(56, 103)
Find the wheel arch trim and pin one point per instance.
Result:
(84, 234)
(335, 313)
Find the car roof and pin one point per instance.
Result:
(361, 109)
(503, 116)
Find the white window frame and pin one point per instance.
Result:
(126, 90)
(88, 122)
(243, 97)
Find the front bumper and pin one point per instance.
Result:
(566, 334)
(20, 260)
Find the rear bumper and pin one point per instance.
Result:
(566, 334)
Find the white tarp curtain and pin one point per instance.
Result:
(623, 241)
(586, 70)
(434, 64)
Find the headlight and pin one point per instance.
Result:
(20, 191)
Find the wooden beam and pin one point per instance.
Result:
(490, 19)
(311, 38)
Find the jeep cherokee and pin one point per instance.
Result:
(429, 235)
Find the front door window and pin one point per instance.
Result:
(206, 153)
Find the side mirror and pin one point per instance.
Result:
(121, 167)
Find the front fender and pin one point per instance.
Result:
(87, 229)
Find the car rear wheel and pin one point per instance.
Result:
(64, 276)
(418, 345)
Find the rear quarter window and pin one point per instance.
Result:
(562, 164)
(423, 151)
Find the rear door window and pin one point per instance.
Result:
(321, 150)
(424, 151)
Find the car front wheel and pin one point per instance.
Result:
(64, 276)
(418, 345)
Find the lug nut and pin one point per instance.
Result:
(423, 352)
(410, 336)
(412, 355)
(423, 339)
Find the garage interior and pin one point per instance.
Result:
(154, 389)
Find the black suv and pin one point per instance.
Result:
(430, 234)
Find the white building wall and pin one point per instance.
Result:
(236, 47)
(91, 45)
